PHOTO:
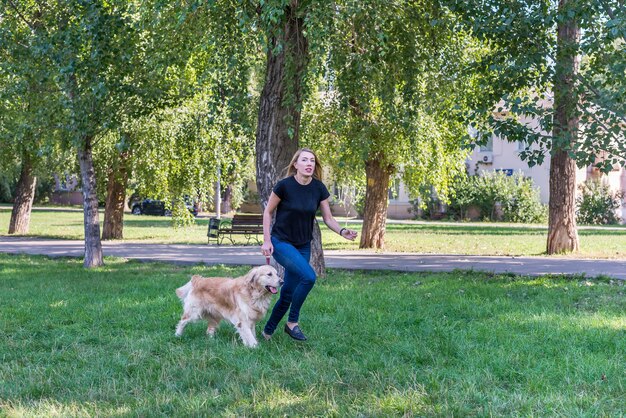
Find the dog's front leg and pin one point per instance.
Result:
(246, 332)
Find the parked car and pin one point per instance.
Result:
(157, 207)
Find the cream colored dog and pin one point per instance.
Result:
(242, 301)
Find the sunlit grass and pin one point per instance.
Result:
(100, 342)
(423, 237)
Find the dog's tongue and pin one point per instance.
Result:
(271, 289)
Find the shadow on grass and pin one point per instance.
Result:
(467, 230)
(599, 232)
(166, 222)
(494, 230)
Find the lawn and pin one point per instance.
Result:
(100, 342)
(423, 237)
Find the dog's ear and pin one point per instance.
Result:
(252, 275)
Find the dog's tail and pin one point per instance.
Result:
(183, 291)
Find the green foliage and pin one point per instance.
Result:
(497, 197)
(518, 73)
(393, 91)
(99, 66)
(596, 204)
(44, 188)
(181, 217)
(7, 186)
(178, 151)
(30, 111)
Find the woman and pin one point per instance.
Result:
(295, 199)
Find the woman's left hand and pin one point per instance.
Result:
(349, 234)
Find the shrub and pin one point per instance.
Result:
(498, 197)
(597, 204)
(523, 204)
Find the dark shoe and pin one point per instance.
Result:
(295, 333)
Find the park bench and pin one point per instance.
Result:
(248, 225)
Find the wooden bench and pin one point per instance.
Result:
(248, 225)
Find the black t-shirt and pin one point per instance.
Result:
(296, 211)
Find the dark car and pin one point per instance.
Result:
(157, 207)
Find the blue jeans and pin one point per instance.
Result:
(299, 280)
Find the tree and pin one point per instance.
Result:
(563, 65)
(160, 74)
(117, 174)
(89, 50)
(392, 85)
(562, 233)
(179, 149)
(19, 141)
(27, 115)
(111, 62)
(281, 100)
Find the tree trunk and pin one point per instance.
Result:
(280, 111)
(280, 103)
(24, 196)
(113, 226)
(227, 200)
(376, 201)
(93, 246)
(562, 233)
(317, 253)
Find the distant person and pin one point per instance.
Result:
(296, 199)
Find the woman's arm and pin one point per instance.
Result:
(331, 223)
(267, 248)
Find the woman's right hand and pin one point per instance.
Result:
(267, 248)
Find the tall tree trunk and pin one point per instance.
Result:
(93, 245)
(280, 104)
(280, 107)
(376, 202)
(24, 196)
(562, 232)
(113, 226)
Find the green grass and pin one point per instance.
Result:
(100, 342)
(423, 237)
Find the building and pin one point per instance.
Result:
(501, 155)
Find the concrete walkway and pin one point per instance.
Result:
(351, 260)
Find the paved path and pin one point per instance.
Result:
(352, 260)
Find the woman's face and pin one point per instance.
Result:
(305, 165)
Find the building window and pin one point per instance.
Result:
(480, 137)
(488, 146)
(394, 189)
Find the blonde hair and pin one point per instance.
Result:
(290, 170)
